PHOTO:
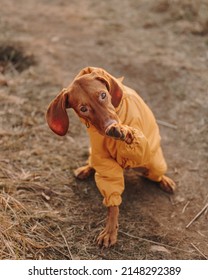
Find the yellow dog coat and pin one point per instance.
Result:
(109, 156)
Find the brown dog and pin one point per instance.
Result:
(123, 133)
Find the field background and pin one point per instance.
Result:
(161, 48)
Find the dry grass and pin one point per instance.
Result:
(189, 15)
(29, 226)
(44, 212)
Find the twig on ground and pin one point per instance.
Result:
(197, 249)
(67, 245)
(55, 237)
(153, 242)
(196, 217)
(167, 124)
(184, 208)
(7, 243)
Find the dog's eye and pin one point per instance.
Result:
(83, 109)
(102, 95)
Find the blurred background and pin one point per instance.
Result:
(161, 48)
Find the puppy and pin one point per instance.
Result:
(123, 134)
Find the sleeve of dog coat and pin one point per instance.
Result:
(109, 176)
(137, 153)
(110, 181)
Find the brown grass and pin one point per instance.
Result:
(44, 212)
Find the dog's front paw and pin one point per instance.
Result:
(120, 132)
(107, 238)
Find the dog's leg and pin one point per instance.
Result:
(83, 172)
(108, 236)
(157, 169)
(167, 184)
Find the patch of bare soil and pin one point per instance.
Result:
(161, 47)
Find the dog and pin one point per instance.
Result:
(123, 134)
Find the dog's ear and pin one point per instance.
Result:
(113, 85)
(56, 115)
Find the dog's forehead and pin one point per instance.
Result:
(87, 84)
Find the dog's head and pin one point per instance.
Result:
(94, 94)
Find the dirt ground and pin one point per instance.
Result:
(161, 48)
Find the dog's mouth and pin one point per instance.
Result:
(108, 124)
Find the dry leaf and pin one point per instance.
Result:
(158, 248)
